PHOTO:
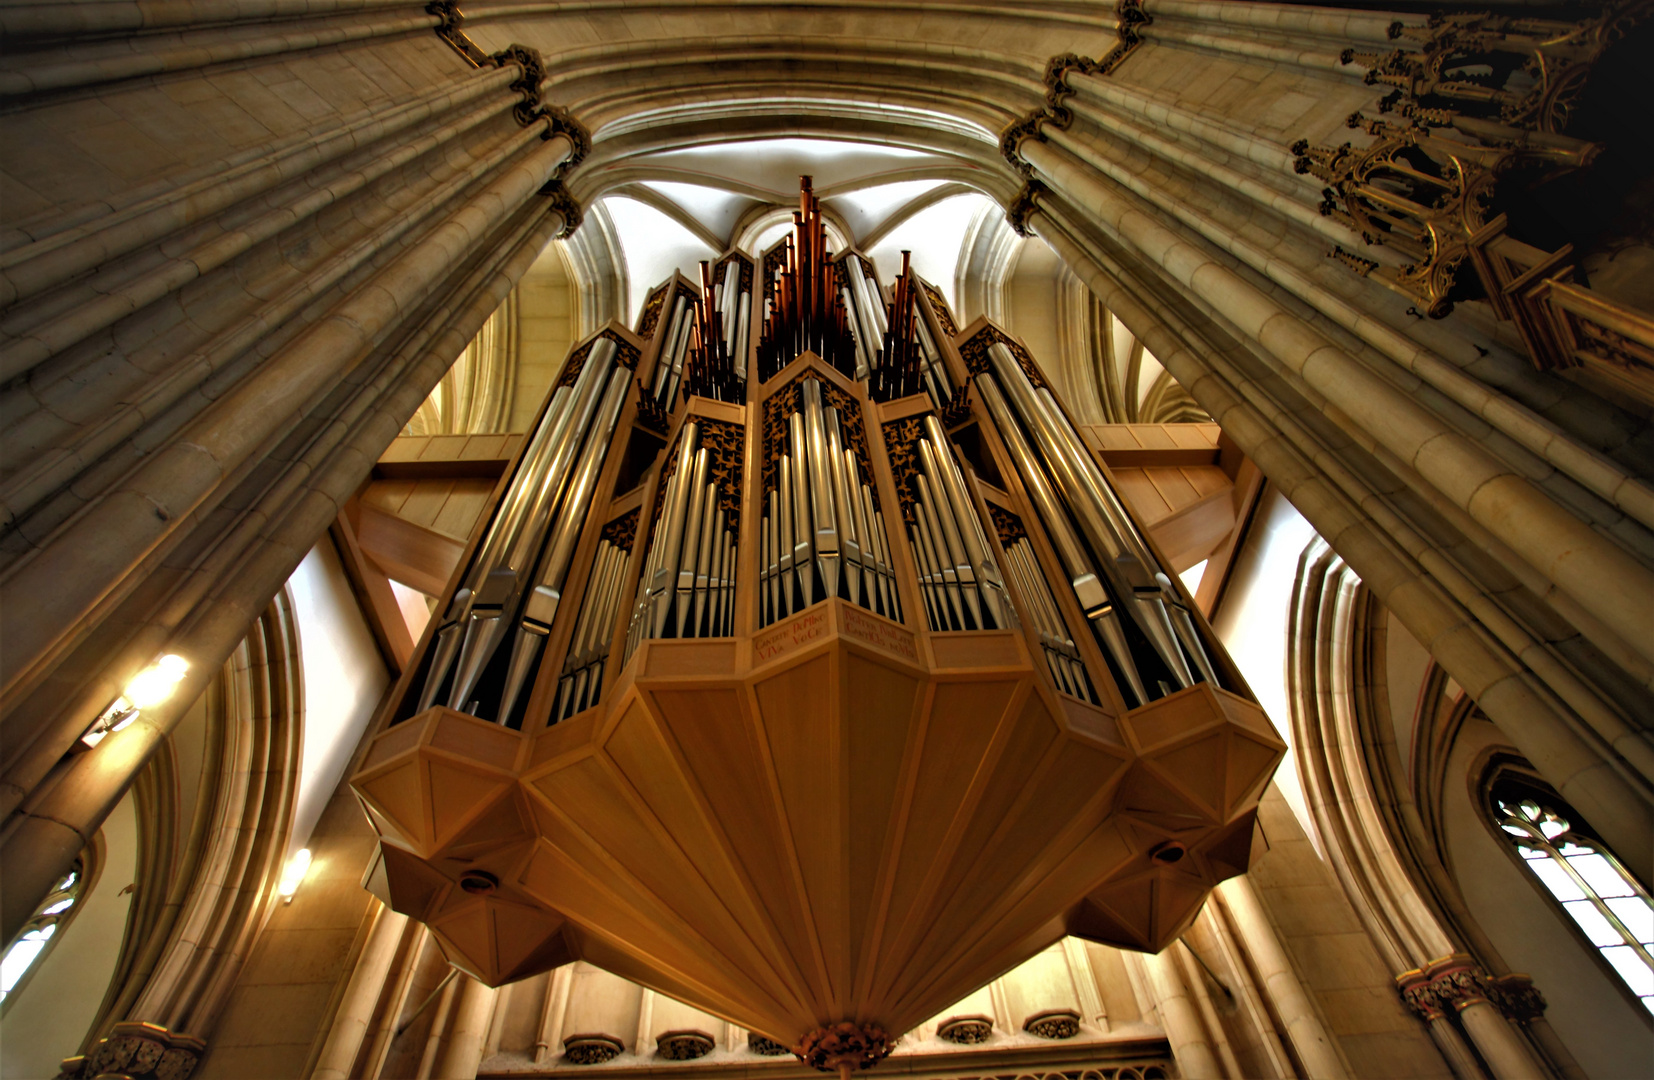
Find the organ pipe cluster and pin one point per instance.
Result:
(958, 574)
(489, 641)
(1147, 634)
(687, 588)
(823, 531)
(655, 450)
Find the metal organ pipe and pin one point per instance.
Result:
(1095, 601)
(484, 609)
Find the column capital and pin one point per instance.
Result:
(1457, 982)
(138, 1051)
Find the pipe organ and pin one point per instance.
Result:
(867, 689)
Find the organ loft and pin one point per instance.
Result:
(1057, 541)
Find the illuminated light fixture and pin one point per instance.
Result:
(155, 683)
(293, 874)
(151, 686)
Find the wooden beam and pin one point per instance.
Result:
(446, 457)
(373, 593)
(418, 557)
(1220, 564)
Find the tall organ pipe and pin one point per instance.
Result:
(473, 623)
(1095, 601)
(1122, 560)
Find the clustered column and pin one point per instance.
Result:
(1500, 513)
(204, 366)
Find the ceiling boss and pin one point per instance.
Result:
(809, 670)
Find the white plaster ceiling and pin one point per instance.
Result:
(680, 206)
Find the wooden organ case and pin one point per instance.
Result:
(809, 670)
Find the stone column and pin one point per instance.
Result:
(467, 1029)
(1196, 1059)
(275, 317)
(356, 1007)
(1314, 1045)
(1427, 590)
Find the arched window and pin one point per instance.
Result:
(49, 920)
(1608, 904)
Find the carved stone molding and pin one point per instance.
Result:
(1053, 1024)
(1130, 18)
(758, 1044)
(1456, 982)
(591, 1049)
(1023, 206)
(684, 1045)
(138, 1051)
(965, 1030)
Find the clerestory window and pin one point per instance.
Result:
(43, 929)
(1610, 906)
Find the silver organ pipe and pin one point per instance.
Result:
(512, 588)
(689, 566)
(581, 680)
(1121, 587)
(1062, 656)
(959, 576)
(823, 535)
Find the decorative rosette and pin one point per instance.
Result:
(845, 1046)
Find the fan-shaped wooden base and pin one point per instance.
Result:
(836, 820)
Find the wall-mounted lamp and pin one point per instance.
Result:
(293, 873)
(151, 686)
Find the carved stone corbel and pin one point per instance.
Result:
(135, 1050)
(1130, 18)
(561, 202)
(1455, 982)
(1024, 205)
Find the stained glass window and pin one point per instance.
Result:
(1609, 906)
(38, 933)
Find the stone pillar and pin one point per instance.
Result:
(356, 1007)
(1191, 1046)
(1310, 1039)
(1491, 505)
(275, 317)
(467, 1029)
(1457, 619)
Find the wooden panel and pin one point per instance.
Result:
(447, 456)
(1145, 445)
(417, 557)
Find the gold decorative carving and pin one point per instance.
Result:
(974, 351)
(1513, 70)
(138, 1051)
(627, 355)
(1481, 97)
(1053, 1024)
(591, 1049)
(939, 304)
(1007, 525)
(621, 531)
(965, 1030)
